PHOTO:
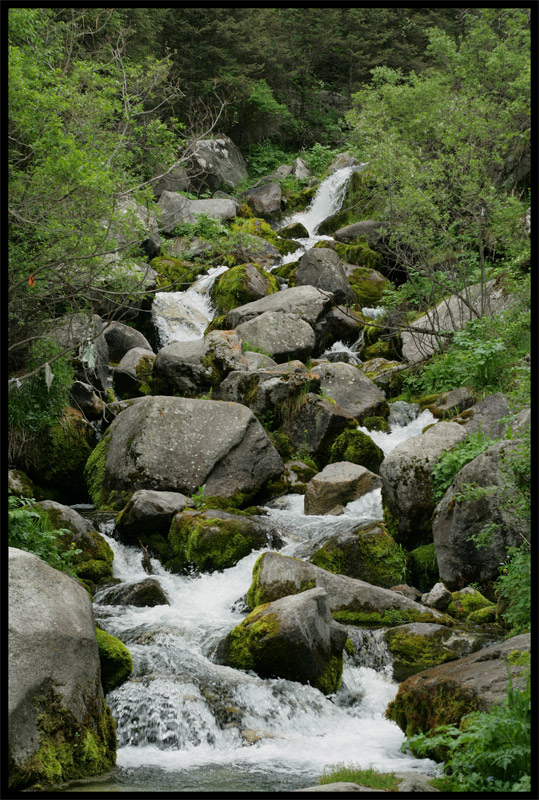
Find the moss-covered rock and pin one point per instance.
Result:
(211, 540)
(172, 270)
(368, 284)
(259, 227)
(357, 204)
(355, 446)
(236, 287)
(287, 272)
(369, 554)
(376, 424)
(297, 201)
(466, 601)
(294, 231)
(483, 616)
(67, 447)
(115, 658)
(380, 349)
(422, 567)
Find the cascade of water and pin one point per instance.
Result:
(184, 316)
(192, 722)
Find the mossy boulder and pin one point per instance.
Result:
(211, 540)
(259, 227)
(67, 448)
(144, 594)
(422, 567)
(294, 231)
(287, 272)
(241, 284)
(369, 553)
(115, 658)
(380, 349)
(355, 446)
(293, 638)
(418, 646)
(172, 270)
(366, 260)
(357, 204)
(466, 601)
(297, 201)
(376, 423)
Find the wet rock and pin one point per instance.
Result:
(241, 284)
(357, 447)
(295, 231)
(336, 485)
(178, 444)
(402, 413)
(148, 510)
(454, 523)
(442, 695)
(352, 601)
(406, 476)
(348, 387)
(147, 593)
(322, 267)
(55, 689)
(294, 638)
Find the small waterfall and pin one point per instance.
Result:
(184, 316)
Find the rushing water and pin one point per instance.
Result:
(186, 723)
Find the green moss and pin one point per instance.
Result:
(519, 658)
(366, 260)
(420, 706)
(330, 679)
(375, 424)
(357, 204)
(258, 594)
(369, 616)
(69, 443)
(296, 201)
(210, 544)
(355, 446)
(258, 227)
(373, 557)
(423, 567)
(413, 653)
(244, 643)
(380, 350)
(93, 570)
(350, 647)
(173, 270)
(465, 602)
(95, 477)
(383, 781)
(287, 272)
(231, 289)
(483, 616)
(69, 749)
(115, 658)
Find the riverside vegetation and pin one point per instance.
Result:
(101, 112)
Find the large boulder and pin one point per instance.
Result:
(442, 695)
(179, 444)
(175, 209)
(358, 448)
(265, 200)
(348, 387)
(270, 390)
(454, 523)
(193, 367)
(132, 373)
(367, 228)
(175, 180)
(313, 425)
(322, 267)
(352, 601)
(282, 335)
(293, 638)
(336, 485)
(121, 338)
(241, 284)
(87, 401)
(58, 724)
(84, 334)
(490, 415)
(450, 314)
(144, 594)
(407, 485)
(216, 163)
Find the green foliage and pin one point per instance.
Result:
(29, 529)
(514, 587)
(199, 497)
(452, 461)
(489, 752)
(263, 158)
(318, 158)
(115, 658)
(384, 781)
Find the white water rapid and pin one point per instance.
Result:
(185, 723)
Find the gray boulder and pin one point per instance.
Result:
(86, 400)
(488, 415)
(322, 267)
(294, 231)
(149, 510)
(121, 338)
(448, 404)
(193, 367)
(406, 482)
(352, 601)
(341, 161)
(132, 373)
(348, 387)
(442, 695)
(217, 208)
(283, 335)
(300, 169)
(177, 180)
(401, 413)
(269, 390)
(55, 696)
(368, 228)
(294, 638)
(90, 351)
(336, 485)
(451, 314)
(460, 561)
(314, 424)
(174, 208)
(179, 444)
(257, 361)
(265, 200)
(214, 163)
(145, 594)
(439, 597)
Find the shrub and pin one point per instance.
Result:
(452, 461)
(489, 752)
(29, 530)
(514, 587)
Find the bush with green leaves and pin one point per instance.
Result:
(488, 752)
(318, 158)
(263, 158)
(29, 530)
(452, 461)
(514, 588)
